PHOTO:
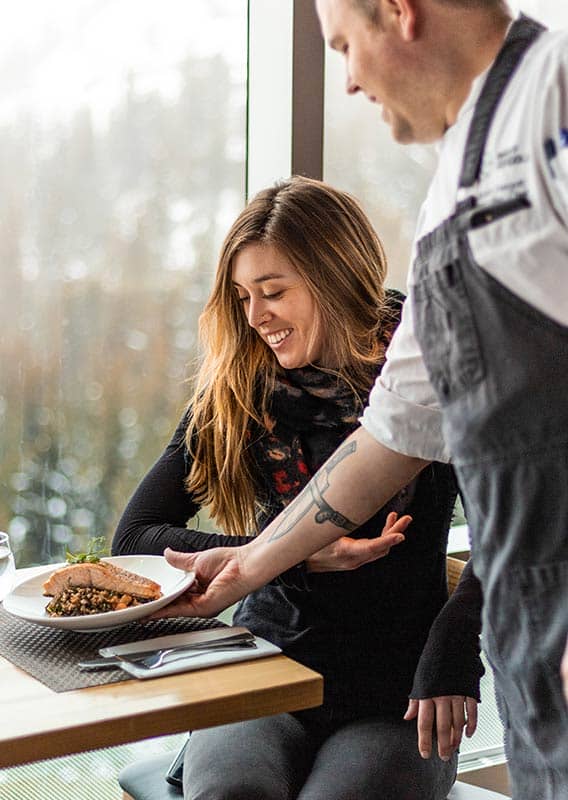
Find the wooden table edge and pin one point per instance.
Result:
(304, 691)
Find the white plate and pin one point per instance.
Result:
(27, 601)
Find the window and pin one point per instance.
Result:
(122, 151)
(550, 12)
(360, 156)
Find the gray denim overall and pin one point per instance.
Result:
(500, 370)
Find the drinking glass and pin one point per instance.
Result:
(7, 566)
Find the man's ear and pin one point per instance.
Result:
(404, 14)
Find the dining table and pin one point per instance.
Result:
(39, 723)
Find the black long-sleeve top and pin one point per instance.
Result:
(364, 630)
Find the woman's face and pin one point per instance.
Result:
(278, 305)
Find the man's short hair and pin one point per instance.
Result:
(368, 8)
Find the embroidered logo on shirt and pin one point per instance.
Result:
(556, 152)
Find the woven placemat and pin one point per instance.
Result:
(51, 655)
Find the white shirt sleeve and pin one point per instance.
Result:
(403, 413)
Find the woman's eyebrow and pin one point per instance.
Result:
(270, 276)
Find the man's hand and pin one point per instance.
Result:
(347, 553)
(448, 716)
(218, 571)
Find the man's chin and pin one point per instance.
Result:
(402, 133)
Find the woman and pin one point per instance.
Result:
(295, 333)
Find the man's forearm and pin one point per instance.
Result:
(357, 480)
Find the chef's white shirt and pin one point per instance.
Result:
(527, 251)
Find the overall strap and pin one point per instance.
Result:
(523, 32)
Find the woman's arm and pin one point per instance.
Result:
(450, 661)
(445, 692)
(156, 515)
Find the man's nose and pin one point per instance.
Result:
(350, 86)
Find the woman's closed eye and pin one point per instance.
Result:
(272, 296)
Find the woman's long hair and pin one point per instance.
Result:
(330, 242)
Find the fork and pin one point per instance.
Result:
(157, 659)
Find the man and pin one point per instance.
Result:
(477, 370)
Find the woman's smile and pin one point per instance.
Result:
(276, 339)
(278, 305)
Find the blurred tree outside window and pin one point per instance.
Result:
(122, 162)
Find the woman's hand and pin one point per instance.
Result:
(347, 553)
(448, 715)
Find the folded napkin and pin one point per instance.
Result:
(212, 659)
(180, 664)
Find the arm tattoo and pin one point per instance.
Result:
(313, 495)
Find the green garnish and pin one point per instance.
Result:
(97, 548)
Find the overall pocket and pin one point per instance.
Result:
(445, 303)
(445, 328)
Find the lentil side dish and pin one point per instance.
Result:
(78, 601)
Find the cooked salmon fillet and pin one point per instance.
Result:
(101, 575)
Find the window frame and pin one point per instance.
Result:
(285, 97)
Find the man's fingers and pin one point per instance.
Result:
(471, 707)
(189, 605)
(180, 607)
(426, 714)
(180, 560)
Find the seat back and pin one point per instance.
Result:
(454, 569)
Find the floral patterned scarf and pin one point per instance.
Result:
(311, 413)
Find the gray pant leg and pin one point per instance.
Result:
(376, 759)
(261, 759)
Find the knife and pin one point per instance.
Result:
(111, 662)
